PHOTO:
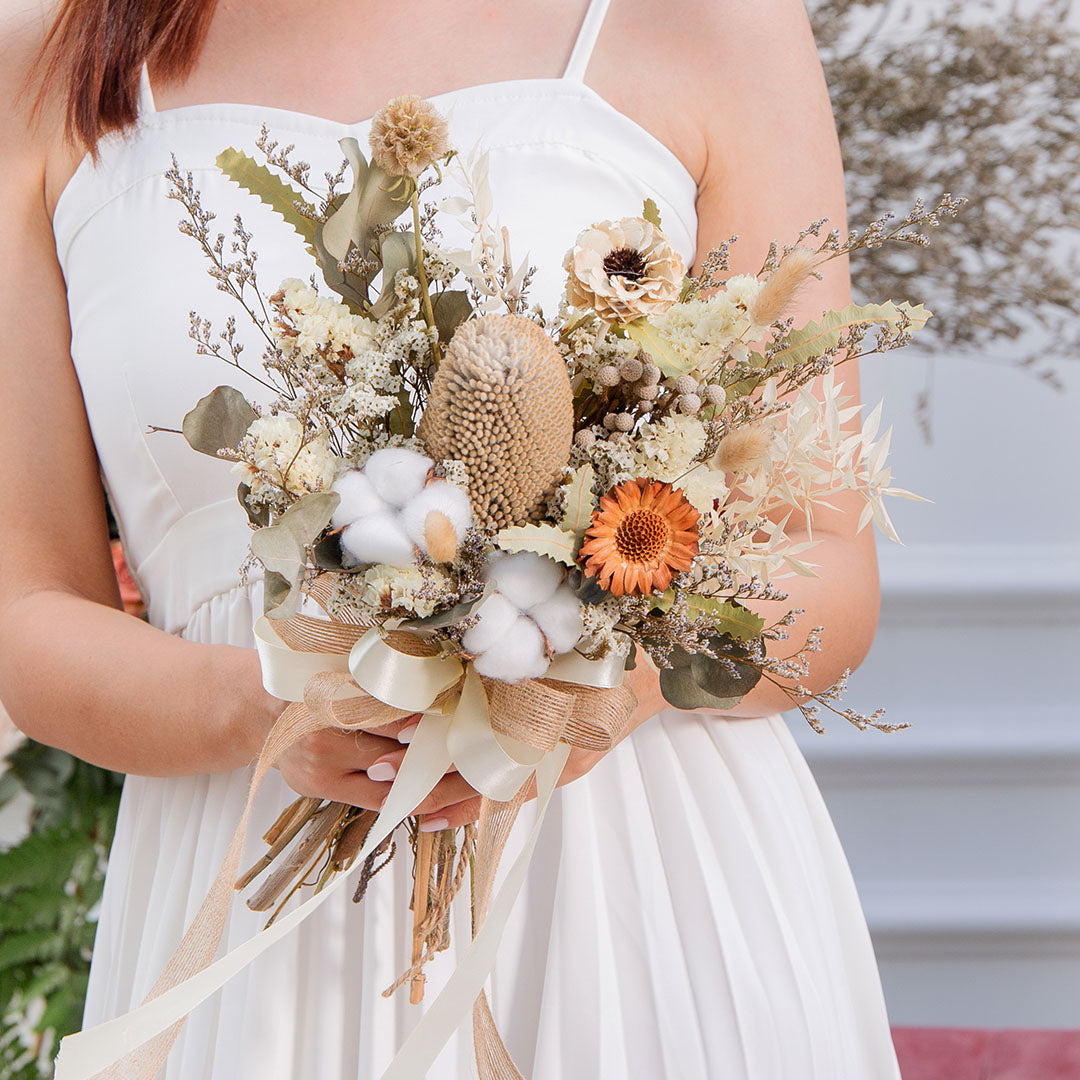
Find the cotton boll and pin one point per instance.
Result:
(496, 616)
(518, 654)
(559, 617)
(397, 474)
(378, 538)
(358, 498)
(448, 499)
(525, 578)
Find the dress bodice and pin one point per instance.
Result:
(561, 158)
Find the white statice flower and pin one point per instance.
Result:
(705, 488)
(385, 588)
(532, 615)
(612, 460)
(598, 635)
(277, 455)
(666, 450)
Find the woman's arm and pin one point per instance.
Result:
(76, 672)
(770, 166)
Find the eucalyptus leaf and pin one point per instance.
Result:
(716, 678)
(681, 691)
(270, 188)
(549, 540)
(260, 517)
(663, 355)
(451, 309)
(277, 591)
(219, 421)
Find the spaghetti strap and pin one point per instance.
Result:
(146, 93)
(586, 40)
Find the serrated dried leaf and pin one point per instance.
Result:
(549, 540)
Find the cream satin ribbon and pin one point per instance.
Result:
(133, 1046)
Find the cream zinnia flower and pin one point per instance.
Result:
(623, 270)
(407, 135)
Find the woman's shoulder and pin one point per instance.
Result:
(694, 80)
(33, 145)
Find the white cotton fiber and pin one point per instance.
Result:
(495, 616)
(559, 617)
(518, 654)
(378, 538)
(525, 578)
(397, 474)
(439, 495)
(358, 498)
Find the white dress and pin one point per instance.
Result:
(688, 913)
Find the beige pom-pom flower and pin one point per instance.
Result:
(501, 403)
(623, 270)
(407, 135)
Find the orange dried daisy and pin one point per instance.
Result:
(643, 532)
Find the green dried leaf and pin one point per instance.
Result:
(651, 212)
(398, 252)
(260, 517)
(816, 338)
(697, 681)
(451, 309)
(282, 547)
(549, 540)
(579, 502)
(729, 617)
(270, 188)
(376, 199)
(663, 355)
(219, 421)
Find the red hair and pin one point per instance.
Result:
(94, 52)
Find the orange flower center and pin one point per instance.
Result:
(642, 536)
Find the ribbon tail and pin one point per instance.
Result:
(466, 983)
(493, 1060)
(135, 1045)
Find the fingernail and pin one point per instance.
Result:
(382, 770)
(433, 824)
(406, 733)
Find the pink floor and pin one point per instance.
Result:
(961, 1054)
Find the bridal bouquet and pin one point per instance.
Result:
(468, 507)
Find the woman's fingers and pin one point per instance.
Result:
(452, 817)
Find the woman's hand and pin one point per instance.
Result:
(643, 680)
(357, 767)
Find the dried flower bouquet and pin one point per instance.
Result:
(511, 506)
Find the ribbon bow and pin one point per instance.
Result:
(498, 735)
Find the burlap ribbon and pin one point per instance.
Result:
(497, 735)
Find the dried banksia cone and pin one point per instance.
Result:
(501, 403)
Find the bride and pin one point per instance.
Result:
(689, 911)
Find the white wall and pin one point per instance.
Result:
(964, 831)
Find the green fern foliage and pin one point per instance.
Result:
(50, 886)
